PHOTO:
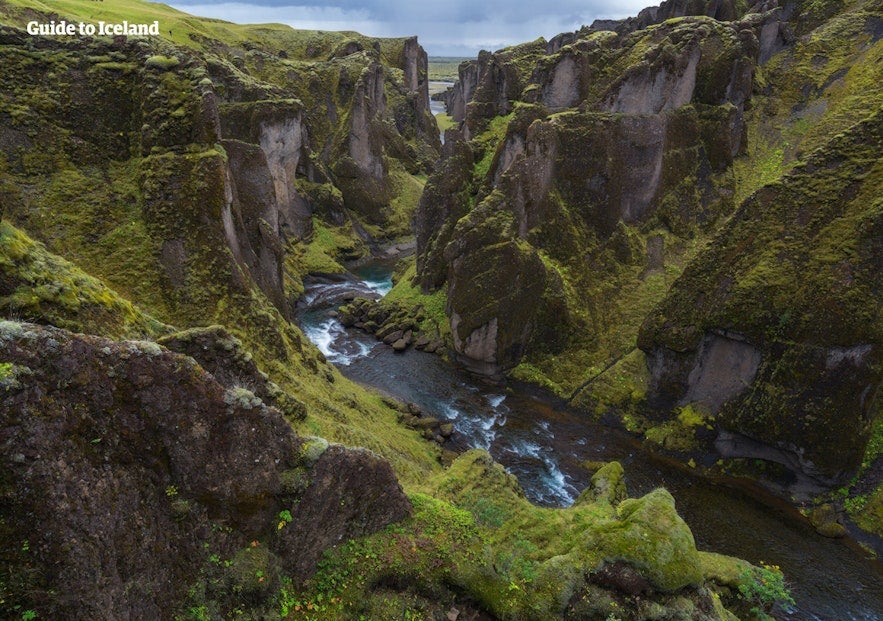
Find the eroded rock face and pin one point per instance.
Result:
(233, 151)
(223, 355)
(723, 10)
(360, 169)
(782, 339)
(645, 126)
(444, 201)
(124, 466)
(724, 365)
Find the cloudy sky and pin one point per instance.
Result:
(445, 28)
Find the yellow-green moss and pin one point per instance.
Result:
(431, 307)
(45, 288)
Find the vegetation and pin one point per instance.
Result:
(41, 287)
(430, 307)
(138, 194)
(445, 122)
(765, 590)
(474, 538)
(444, 68)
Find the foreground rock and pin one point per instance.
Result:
(127, 468)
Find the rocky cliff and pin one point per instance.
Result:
(605, 135)
(192, 180)
(670, 221)
(140, 468)
(239, 134)
(780, 344)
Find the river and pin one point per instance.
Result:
(545, 445)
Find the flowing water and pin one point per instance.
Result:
(544, 446)
(438, 107)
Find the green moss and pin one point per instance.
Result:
(487, 143)
(429, 309)
(478, 537)
(672, 436)
(869, 516)
(44, 288)
(255, 572)
(312, 450)
(616, 387)
(398, 217)
(243, 398)
(321, 253)
(445, 122)
(162, 63)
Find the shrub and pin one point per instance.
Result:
(163, 63)
(764, 589)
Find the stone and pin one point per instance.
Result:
(826, 521)
(107, 441)
(392, 337)
(400, 345)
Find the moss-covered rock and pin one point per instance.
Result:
(644, 132)
(36, 285)
(189, 472)
(793, 249)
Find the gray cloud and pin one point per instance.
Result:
(450, 28)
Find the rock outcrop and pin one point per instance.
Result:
(606, 131)
(138, 467)
(241, 153)
(780, 297)
(590, 170)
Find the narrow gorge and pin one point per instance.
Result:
(274, 347)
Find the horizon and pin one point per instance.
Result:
(487, 26)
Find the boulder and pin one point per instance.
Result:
(125, 465)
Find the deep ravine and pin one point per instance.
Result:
(545, 448)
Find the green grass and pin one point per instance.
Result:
(200, 32)
(42, 287)
(402, 207)
(488, 141)
(445, 122)
(320, 253)
(444, 68)
(473, 533)
(408, 295)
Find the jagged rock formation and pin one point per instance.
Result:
(589, 170)
(138, 466)
(756, 315)
(250, 160)
(658, 121)
(189, 176)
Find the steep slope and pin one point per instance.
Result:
(738, 145)
(200, 182)
(139, 467)
(203, 191)
(790, 289)
(613, 153)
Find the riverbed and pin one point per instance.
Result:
(545, 447)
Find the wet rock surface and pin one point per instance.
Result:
(395, 326)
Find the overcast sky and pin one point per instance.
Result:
(445, 28)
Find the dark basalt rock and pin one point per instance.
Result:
(125, 465)
(798, 369)
(653, 140)
(222, 354)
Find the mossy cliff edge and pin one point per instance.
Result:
(192, 181)
(672, 221)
